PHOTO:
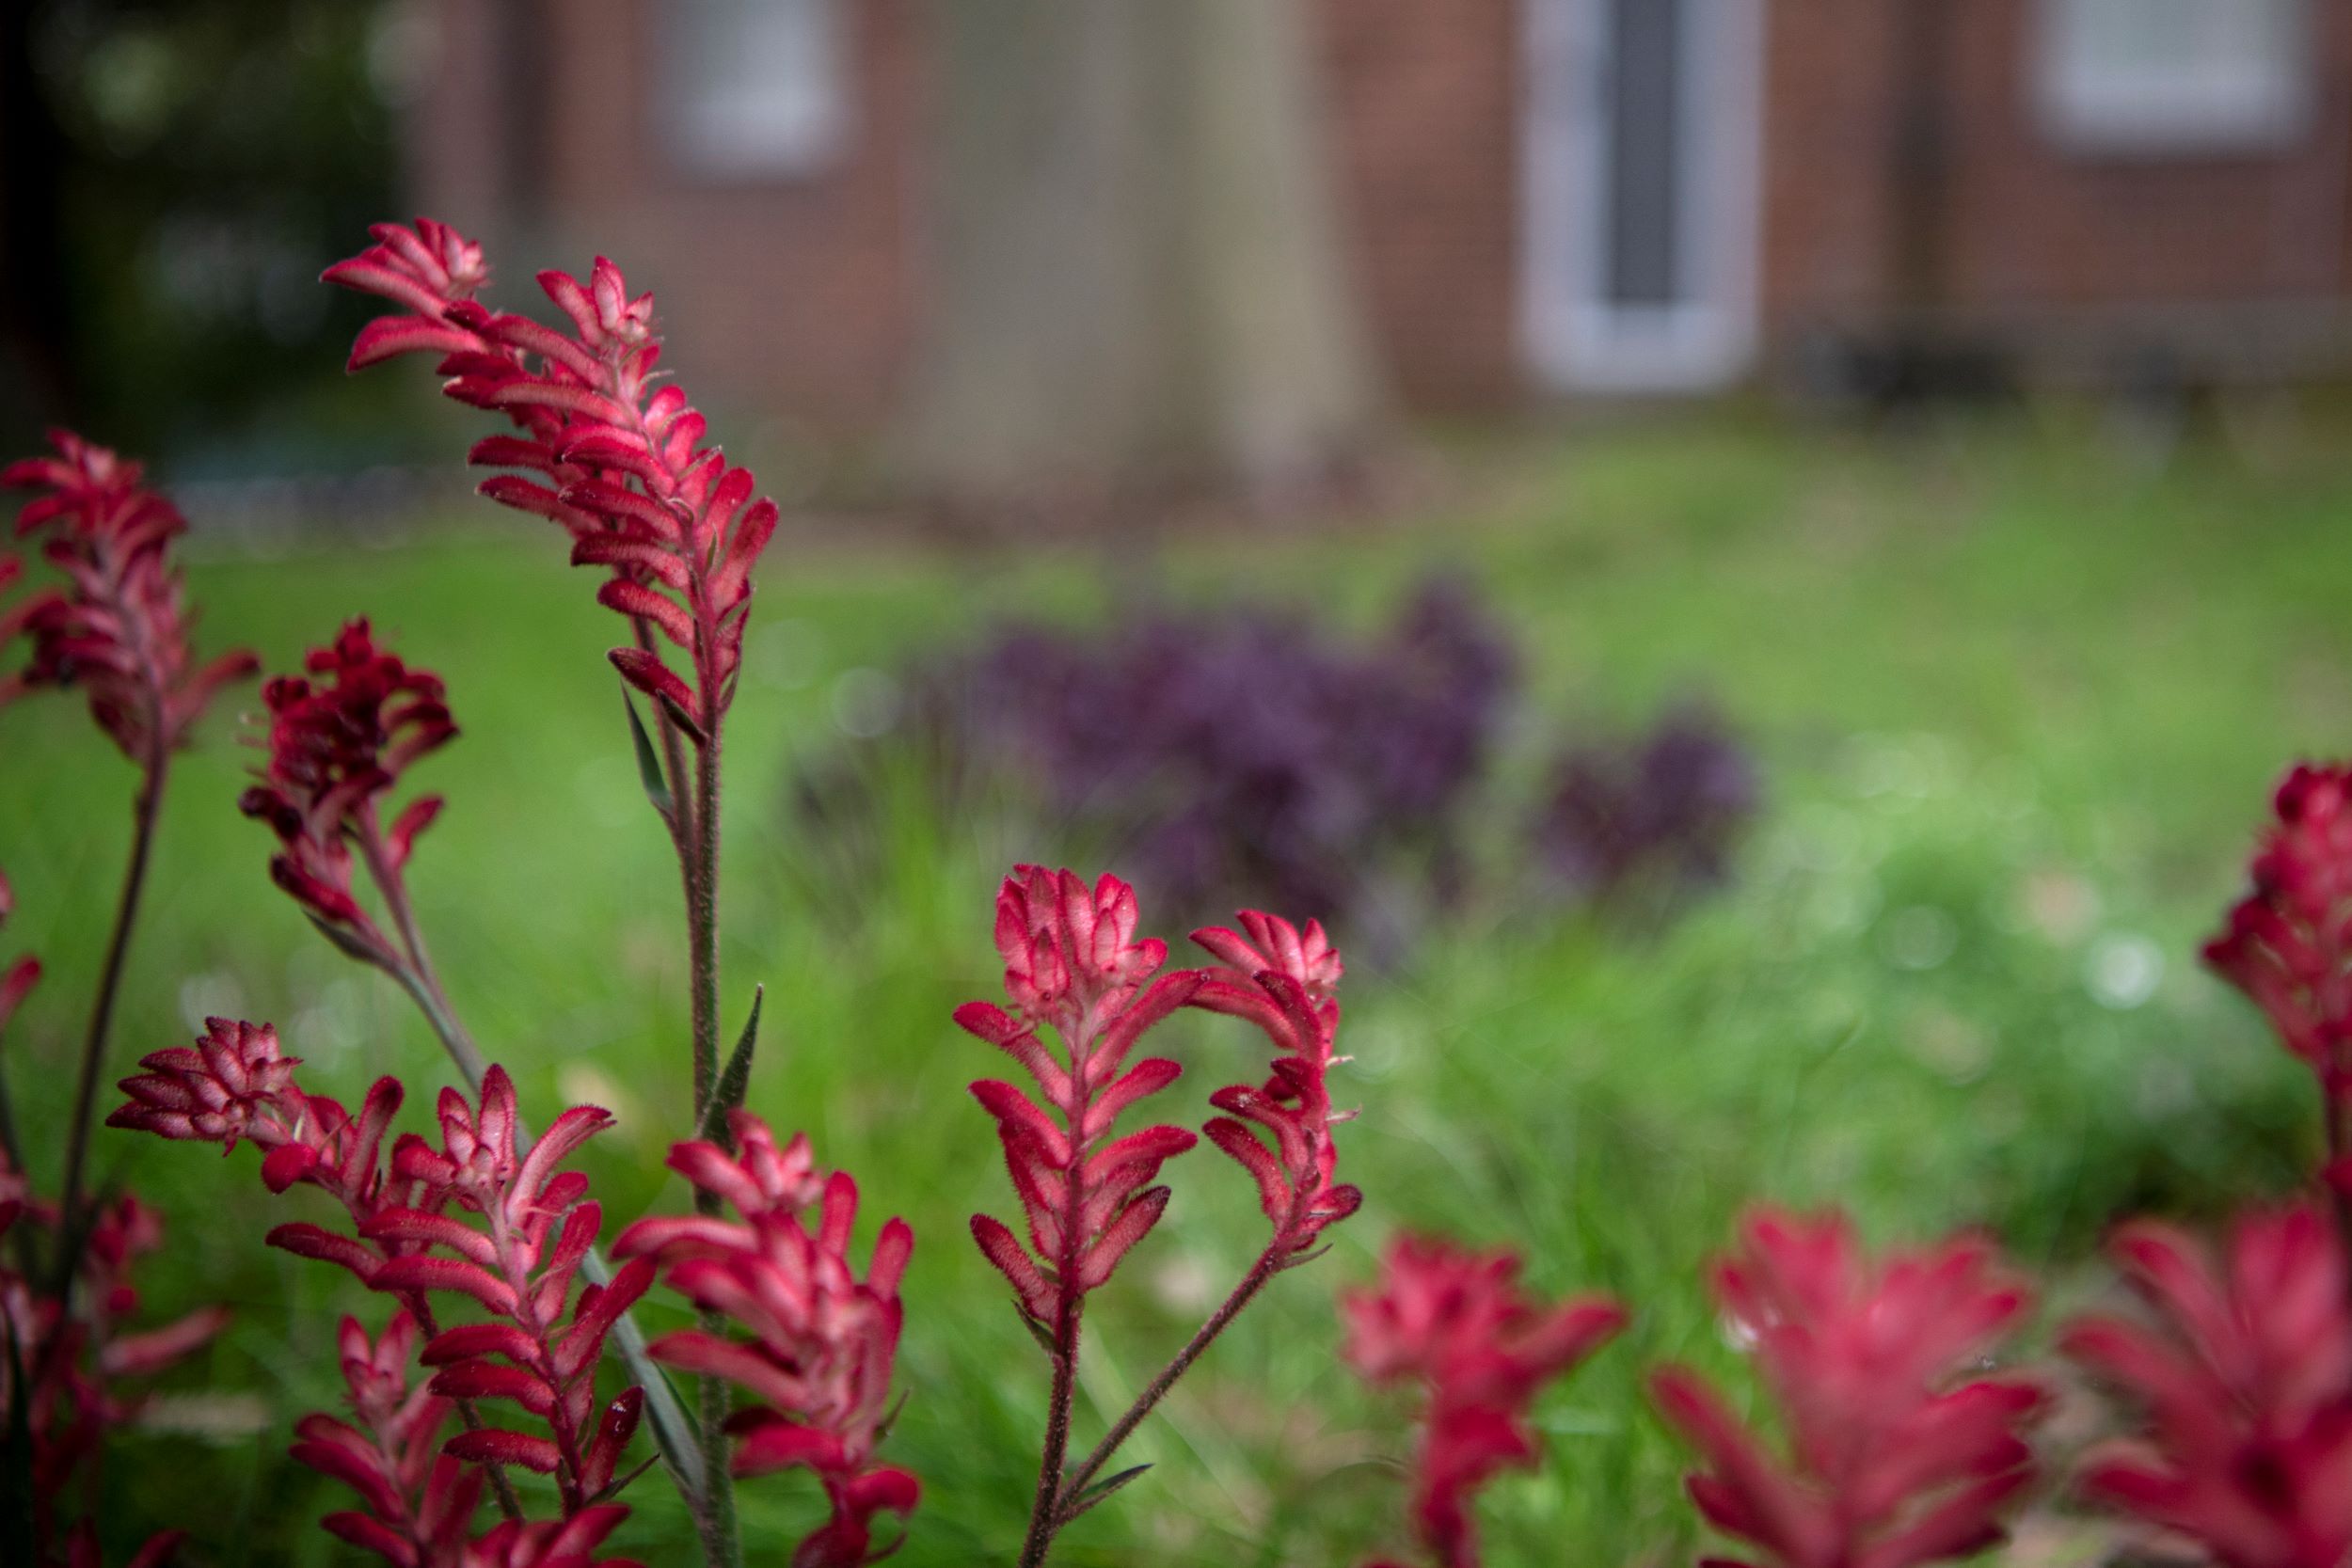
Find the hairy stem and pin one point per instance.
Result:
(1046, 1510)
(1269, 1264)
(147, 810)
(702, 925)
(717, 1521)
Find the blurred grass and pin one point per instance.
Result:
(2018, 697)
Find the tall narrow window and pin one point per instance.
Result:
(752, 88)
(2176, 76)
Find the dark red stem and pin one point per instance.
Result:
(148, 809)
(1269, 1264)
(716, 1518)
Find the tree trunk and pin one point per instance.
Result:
(1139, 275)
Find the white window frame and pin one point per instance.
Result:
(2209, 99)
(1575, 338)
(710, 115)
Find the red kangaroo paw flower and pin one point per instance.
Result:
(1283, 980)
(1072, 964)
(1456, 1324)
(340, 737)
(2244, 1380)
(118, 627)
(1893, 1460)
(614, 451)
(822, 1342)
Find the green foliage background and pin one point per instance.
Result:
(2018, 699)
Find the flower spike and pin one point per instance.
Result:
(2287, 944)
(1893, 1460)
(521, 1268)
(1283, 980)
(604, 447)
(71, 1359)
(2245, 1382)
(822, 1343)
(340, 737)
(118, 626)
(1456, 1324)
(1072, 964)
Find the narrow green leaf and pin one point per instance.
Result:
(1098, 1491)
(351, 946)
(736, 1079)
(649, 763)
(684, 721)
(1038, 1331)
(618, 1483)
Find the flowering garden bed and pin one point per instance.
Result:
(1942, 1000)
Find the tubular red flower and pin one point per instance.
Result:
(418, 1503)
(617, 456)
(117, 627)
(823, 1343)
(2287, 944)
(62, 1380)
(234, 1084)
(1072, 964)
(1893, 1461)
(539, 1225)
(1283, 980)
(2244, 1380)
(338, 739)
(420, 1496)
(1455, 1323)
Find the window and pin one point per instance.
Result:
(2175, 75)
(752, 88)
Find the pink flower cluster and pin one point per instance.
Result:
(338, 740)
(1456, 1324)
(822, 1343)
(1072, 964)
(519, 1264)
(1284, 981)
(2288, 943)
(1895, 1455)
(234, 1085)
(70, 1357)
(418, 1498)
(614, 454)
(117, 627)
(2243, 1372)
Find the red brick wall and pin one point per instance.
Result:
(806, 294)
(2034, 228)
(799, 292)
(1424, 120)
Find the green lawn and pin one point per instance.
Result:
(2018, 703)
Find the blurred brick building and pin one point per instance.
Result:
(1541, 196)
